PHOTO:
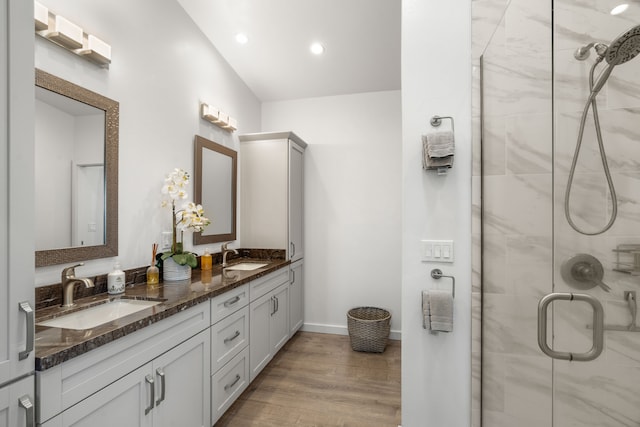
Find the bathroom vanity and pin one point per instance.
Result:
(181, 362)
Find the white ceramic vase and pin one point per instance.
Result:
(172, 272)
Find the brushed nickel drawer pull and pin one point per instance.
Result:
(152, 404)
(232, 337)
(232, 301)
(25, 402)
(234, 382)
(26, 308)
(160, 373)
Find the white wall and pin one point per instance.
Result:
(162, 67)
(352, 202)
(436, 79)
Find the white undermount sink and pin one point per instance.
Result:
(99, 314)
(246, 266)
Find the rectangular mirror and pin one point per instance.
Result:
(215, 189)
(76, 162)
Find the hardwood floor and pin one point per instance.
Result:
(318, 380)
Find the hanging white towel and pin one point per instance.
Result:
(437, 311)
(434, 149)
(440, 144)
(441, 310)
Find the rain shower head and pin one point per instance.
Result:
(624, 48)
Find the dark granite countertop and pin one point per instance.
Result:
(56, 345)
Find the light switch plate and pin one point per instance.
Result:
(437, 250)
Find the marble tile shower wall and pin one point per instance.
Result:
(514, 38)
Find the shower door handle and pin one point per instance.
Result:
(598, 327)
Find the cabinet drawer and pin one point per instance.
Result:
(268, 283)
(228, 383)
(227, 303)
(229, 337)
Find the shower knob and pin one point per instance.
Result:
(583, 271)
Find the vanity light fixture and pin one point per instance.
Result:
(218, 118)
(70, 36)
(65, 33)
(41, 16)
(97, 50)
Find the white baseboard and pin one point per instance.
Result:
(339, 330)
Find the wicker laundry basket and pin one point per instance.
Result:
(368, 328)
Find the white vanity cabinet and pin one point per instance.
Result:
(269, 319)
(157, 376)
(165, 392)
(272, 192)
(229, 348)
(296, 297)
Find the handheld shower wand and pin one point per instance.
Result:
(622, 49)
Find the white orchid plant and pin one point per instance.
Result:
(189, 217)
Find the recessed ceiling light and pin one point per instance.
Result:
(242, 38)
(317, 49)
(619, 9)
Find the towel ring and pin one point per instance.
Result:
(437, 121)
(436, 273)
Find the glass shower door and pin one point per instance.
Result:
(534, 94)
(605, 391)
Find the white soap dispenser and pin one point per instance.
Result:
(115, 280)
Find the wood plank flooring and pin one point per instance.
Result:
(318, 380)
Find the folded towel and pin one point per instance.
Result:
(441, 310)
(436, 161)
(440, 144)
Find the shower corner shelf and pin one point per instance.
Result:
(627, 259)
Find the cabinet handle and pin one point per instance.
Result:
(293, 273)
(152, 404)
(24, 306)
(277, 304)
(231, 384)
(232, 301)
(25, 402)
(293, 249)
(231, 338)
(160, 373)
(273, 305)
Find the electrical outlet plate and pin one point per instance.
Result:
(437, 250)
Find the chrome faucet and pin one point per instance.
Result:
(68, 280)
(225, 251)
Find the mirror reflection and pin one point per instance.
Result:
(215, 189)
(69, 160)
(76, 159)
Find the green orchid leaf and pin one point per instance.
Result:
(181, 259)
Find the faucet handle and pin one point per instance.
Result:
(70, 271)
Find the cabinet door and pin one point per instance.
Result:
(122, 403)
(182, 384)
(296, 297)
(16, 404)
(296, 202)
(16, 188)
(260, 312)
(279, 320)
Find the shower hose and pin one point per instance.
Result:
(591, 102)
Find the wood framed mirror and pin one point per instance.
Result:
(215, 187)
(76, 172)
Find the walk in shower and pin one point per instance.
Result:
(558, 216)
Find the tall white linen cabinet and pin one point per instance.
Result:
(17, 262)
(272, 207)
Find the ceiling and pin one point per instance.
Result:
(361, 40)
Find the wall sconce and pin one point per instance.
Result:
(218, 118)
(70, 36)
